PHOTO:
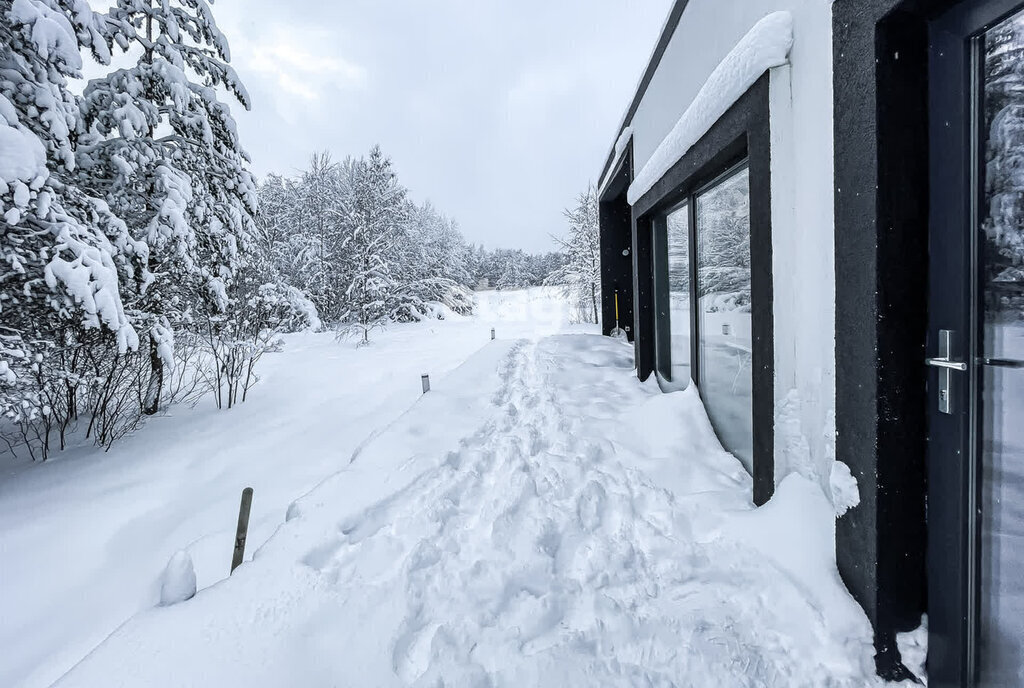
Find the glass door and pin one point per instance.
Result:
(1001, 294)
(703, 304)
(976, 346)
(724, 311)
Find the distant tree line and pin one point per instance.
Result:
(348, 235)
(512, 268)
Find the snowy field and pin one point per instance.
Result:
(85, 536)
(541, 518)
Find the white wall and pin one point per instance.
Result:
(802, 212)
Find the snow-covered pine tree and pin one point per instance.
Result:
(433, 266)
(319, 232)
(160, 147)
(376, 213)
(580, 275)
(61, 251)
(277, 224)
(513, 269)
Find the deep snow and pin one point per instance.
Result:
(540, 518)
(86, 537)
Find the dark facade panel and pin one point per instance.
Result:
(880, 53)
(616, 221)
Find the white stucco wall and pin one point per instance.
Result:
(802, 201)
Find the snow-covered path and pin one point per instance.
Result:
(540, 519)
(85, 536)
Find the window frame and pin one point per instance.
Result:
(659, 226)
(741, 137)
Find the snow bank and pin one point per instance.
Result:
(765, 46)
(175, 485)
(515, 528)
(178, 582)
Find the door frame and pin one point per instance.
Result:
(957, 184)
(882, 205)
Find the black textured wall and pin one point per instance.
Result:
(880, 50)
(617, 250)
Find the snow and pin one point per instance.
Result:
(766, 45)
(540, 518)
(845, 494)
(913, 647)
(623, 141)
(175, 485)
(21, 155)
(52, 34)
(179, 580)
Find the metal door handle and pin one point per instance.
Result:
(1001, 362)
(946, 363)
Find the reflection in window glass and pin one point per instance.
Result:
(723, 287)
(1002, 381)
(672, 297)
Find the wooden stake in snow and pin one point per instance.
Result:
(492, 334)
(243, 528)
(425, 379)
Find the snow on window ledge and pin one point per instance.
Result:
(766, 45)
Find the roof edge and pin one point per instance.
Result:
(667, 31)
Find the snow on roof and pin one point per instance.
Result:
(766, 45)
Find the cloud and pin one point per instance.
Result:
(478, 103)
(299, 65)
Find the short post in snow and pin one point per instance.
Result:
(425, 379)
(243, 528)
(492, 334)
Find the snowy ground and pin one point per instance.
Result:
(85, 536)
(541, 518)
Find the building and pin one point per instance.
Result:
(813, 210)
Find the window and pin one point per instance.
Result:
(717, 218)
(672, 297)
(723, 284)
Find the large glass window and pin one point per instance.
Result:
(672, 297)
(721, 296)
(723, 288)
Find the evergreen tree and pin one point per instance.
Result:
(376, 213)
(62, 253)
(580, 276)
(163, 151)
(318, 233)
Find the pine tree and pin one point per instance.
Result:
(376, 213)
(163, 151)
(319, 232)
(62, 252)
(580, 276)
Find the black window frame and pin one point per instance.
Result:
(742, 136)
(659, 265)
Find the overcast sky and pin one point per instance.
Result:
(498, 111)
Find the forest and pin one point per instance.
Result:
(141, 262)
